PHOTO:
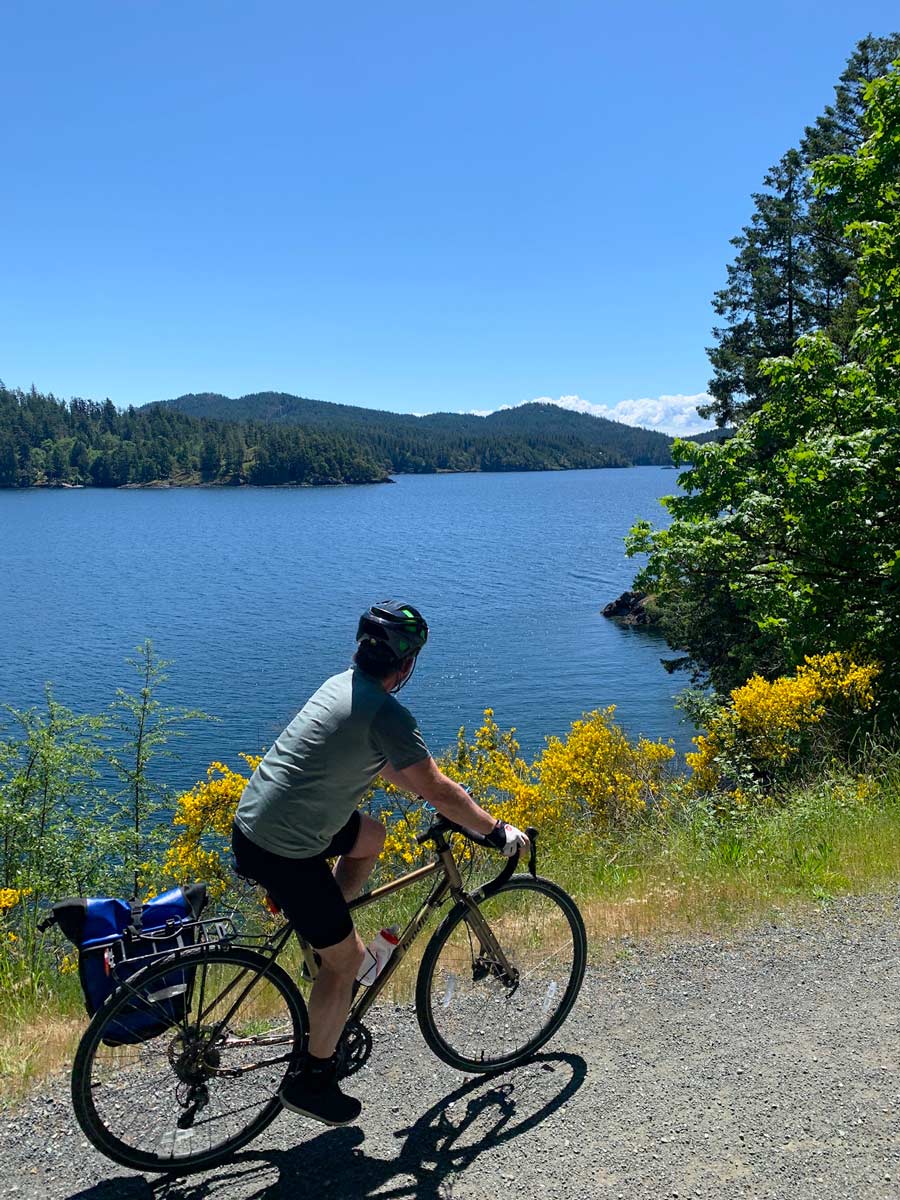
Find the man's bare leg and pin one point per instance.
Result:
(313, 1091)
(352, 870)
(329, 1000)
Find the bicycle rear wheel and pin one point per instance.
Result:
(207, 1083)
(479, 1013)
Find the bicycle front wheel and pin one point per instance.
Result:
(483, 1007)
(227, 1024)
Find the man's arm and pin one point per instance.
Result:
(449, 798)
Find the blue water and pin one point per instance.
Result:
(253, 594)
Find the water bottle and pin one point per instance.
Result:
(378, 951)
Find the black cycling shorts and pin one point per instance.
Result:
(303, 888)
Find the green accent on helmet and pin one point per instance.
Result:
(401, 628)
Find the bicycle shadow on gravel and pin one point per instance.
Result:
(482, 1114)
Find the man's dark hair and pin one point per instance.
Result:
(376, 659)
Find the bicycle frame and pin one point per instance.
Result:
(450, 883)
(222, 1053)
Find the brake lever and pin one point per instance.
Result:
(532, 854)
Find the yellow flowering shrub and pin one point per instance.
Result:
(400, 847)
(598, 772)
(593, 778)
(205, 814)
(10, 897)
(500, 780)
(12, 948)
(403, 818)
(767, 724)
(590, 779)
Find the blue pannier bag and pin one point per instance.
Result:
(116, 939)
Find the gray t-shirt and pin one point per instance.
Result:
(313, 777)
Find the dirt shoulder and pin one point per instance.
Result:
(766, 1064)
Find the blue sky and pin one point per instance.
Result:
(407, 206)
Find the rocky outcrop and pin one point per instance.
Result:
(633, 608)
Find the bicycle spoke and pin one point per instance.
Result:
(206, 1078)
(474, 1010)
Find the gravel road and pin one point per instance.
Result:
(764, 1065)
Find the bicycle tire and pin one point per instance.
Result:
(451, 948)
(91, 1071)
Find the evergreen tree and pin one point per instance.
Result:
(9, 466)
(766, 302)
(842, 128)
(793, 272)
(210, 458)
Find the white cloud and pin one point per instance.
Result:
(669, 414)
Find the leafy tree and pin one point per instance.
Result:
(55, 837)
(784, 542)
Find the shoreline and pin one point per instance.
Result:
(167, 484)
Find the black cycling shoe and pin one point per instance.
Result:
(322, 1100)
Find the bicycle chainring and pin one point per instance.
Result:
(353, 1049)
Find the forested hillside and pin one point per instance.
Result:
(46, 441)
(274, 439)
(529, 437)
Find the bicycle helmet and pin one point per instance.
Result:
(399, 627)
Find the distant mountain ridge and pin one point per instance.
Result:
(271, 439)
(531, 436)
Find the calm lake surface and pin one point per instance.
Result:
(253, 594)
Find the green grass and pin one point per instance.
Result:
(680, 872)
(690, 872)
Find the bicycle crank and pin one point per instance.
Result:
(353, 1049)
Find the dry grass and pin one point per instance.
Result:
(675, 912)
(36, 1049)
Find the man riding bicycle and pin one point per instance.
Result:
(300, 809)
